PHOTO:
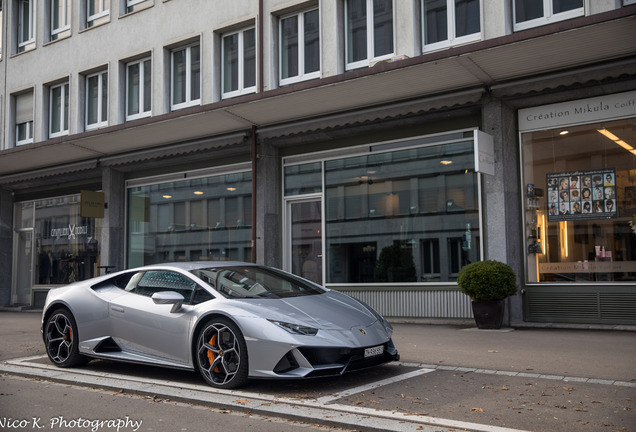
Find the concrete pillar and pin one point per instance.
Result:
(6, 246)
(112, 238)
(502, 217)
(268, 206)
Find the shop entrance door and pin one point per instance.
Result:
(23, 274)
(304, 245)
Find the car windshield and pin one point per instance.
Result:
(255, 282)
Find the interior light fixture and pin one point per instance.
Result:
(198, 192)
(564, 132)
(167, 196)
(446, 162)
(231, 189)
(617, 140)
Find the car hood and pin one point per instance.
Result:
(331, 310)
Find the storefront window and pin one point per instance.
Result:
(580, 201)
(205, 218)
(402, 216)
(66, 245)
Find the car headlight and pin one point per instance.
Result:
(295, 328)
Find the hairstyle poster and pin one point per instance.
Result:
(581, 195)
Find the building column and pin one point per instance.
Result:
(269, 235)
(6, 246)
(502, 218)
(112, 238)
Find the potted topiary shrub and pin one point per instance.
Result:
(488, 283)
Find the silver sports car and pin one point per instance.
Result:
(231, 321)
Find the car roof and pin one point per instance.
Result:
(194, 265)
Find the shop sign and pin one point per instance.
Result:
(580, 111)
(484, 152)
(92, 204)
(71, 231)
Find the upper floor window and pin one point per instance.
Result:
(97, 100)
(186, 77)
(58, 110)
(532, 13)
(24, 118)
(239, 63)
(299, 47)
(60, 18)
(138, 89)
(369, 31)
(26, 25)
(97, 12)
(135, 5)
(450, 22)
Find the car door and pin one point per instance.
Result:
(151, 330)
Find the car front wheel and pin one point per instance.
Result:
(62, 339)
(222, 354)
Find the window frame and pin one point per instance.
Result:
(101, 115)
(548, 16)
(302, 74)
(29, 133)
(102, 15)
(64, 109)
(188, 99)
(24, 117)
(24, 44)
(370, 41)
(65, 18)
(141, 91)
(242, 89)
(451, 33)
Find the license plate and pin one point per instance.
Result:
(373, 351)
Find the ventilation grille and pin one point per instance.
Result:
(581, 307)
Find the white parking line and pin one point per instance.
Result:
(302, 409)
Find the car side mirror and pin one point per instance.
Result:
(169, 297)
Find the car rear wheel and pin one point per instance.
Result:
(62, 339)
(222, 354)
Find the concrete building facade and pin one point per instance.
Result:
(375, 147)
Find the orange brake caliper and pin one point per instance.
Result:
(211, 355)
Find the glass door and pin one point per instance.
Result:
(23, 268)
(304, 245)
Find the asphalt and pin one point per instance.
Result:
(451, 376)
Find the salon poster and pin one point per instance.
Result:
(581, 195)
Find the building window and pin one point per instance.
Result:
(138, 89)
(399, 213)
(136, 5)
(24, 118)
(26, 25)
(97, 12)
(369, 31)
(58, 110)
(239, 63)
(186, 77)
(206, 218)
(580, 196)
(532, 13)
(299, 47)
(97, 100)
(60, 19)
(450, 22)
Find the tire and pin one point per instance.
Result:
(221, 354)
(61, 339)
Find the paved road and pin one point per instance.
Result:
(449, 378)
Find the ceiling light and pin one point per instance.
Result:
(231, 189)
(617, 140)
(564, 132)
(167, 196)
(446, 162)
(198, 193)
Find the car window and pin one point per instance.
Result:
(153, 281)
(256, 282)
